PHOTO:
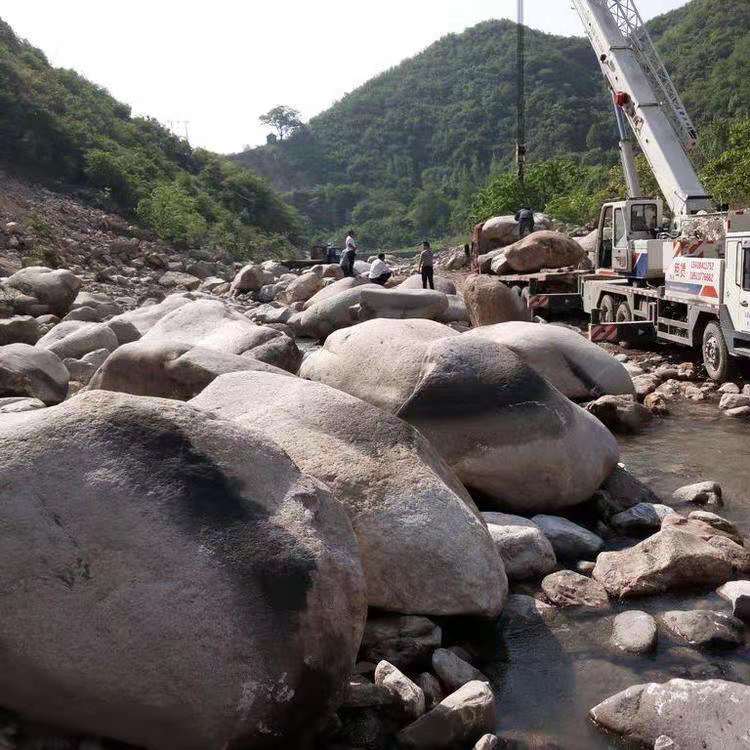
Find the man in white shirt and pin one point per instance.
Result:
(380, 271)
(349, 254)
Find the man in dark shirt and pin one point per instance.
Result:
(525, 219)
(427, 266)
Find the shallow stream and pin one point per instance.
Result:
(551, 676)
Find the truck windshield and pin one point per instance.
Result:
(643, 218)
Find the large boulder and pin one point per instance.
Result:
(55, 290)
(303, 288)
(205, 592)
(20, 329)
(131, 325)
(566, 359)
(377, 302)
(342, 285)
(28, 371)
(710, 714)
(490, 301)
(446, 286)
(178, 371)
(424, 547)
(75, 338)
(249, 278)
(456, 312)
(500, 231)
(671, 559)
(210, 324)
(331, 314)
(545, 249)
(505, 431)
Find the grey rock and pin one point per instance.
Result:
(568, 589)
(73, 339)
(622, 414)
(433, 691)
(488, 742)
(442, 284)
(521, 612)
(709, 714)
(704, 628)
(644, 518)
(19, 329)
(460, 719)
(406, 694)
(405, 641)
(489, 301)
(16, 404)
(634, 632)
(738, 594)
(525, 550)
(54, 289)
(702, 493)
(452, 671)
(36, 373)
(624, 491)
(180, 280)
(360, 692)
(569, 540)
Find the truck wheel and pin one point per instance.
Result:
(624, 314)
(715, 352)
(607, 309)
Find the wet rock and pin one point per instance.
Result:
(452, 671)
(405, 693)
(271, 609)
(656, 404)
(733, 401)
(20, 329)
(738, 594)
(625, 491)
(704, 628)
(522, 611)
(742, 412)
(634, 632)
(28, 371)
(644, 518)
(569, 540)
(702, 493)
(405, 641)
(424, 546)
(489, 301)
(645, 385)
(460, 719)
(363, 693)
(669, 560)
(433, 691)
(55, 290)
(525, 550)
(568, 589)
(694, 714)
(574, 365)
(620, 413)
(728, 388)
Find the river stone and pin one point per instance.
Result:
(545, 249)
(446, 286)
(622, 414)
(488, 742)
(55, 290)
(644, 518)
(20, 329)
(704, 628)
(709, 714)
(424, 545)
(303, 287)
(130, 326)
(456, 312)
(342, 285)
(74, 339)
(705, 529)
(489, 301)
(377, 302)
(574, 365)
(169, 370)
(36, 373)
(328, 315)
(525, 550)
(733, 401)
(179, 280)
(405, 693)
(453, 671)
(634, 632)
(405, 641)
(249, 278)
(569, 540)
(363, 693)
(17, 404)
(671, 559)
(623, 491)
(458, 720)
(568, 589)
(703, 493)
(206, 594)
(432, 689)
(738, 594)
(539, 452)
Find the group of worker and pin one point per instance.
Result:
(380, 272)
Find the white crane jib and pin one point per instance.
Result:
(643, 90)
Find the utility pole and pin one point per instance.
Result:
(521, 98)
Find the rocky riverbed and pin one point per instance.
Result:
(443, 525)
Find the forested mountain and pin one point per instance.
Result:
(405, 153)
(59, 128)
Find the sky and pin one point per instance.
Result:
(212, 68)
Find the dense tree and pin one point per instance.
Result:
(283, 119)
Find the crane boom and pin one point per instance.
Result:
(646, 95)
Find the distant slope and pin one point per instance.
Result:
(438, 124)
(56, 126)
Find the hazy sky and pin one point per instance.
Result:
(220, 64)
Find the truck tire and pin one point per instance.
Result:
(715, 353)
(607, 309)
(624, 314)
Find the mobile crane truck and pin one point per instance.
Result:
(686, 281)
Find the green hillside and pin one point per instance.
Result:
(406, 153)
(58, 127)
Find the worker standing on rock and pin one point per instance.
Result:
(349, 254)
(525, 219)
(380, 272)
(427, 266)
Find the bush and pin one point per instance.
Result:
(173, 214)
